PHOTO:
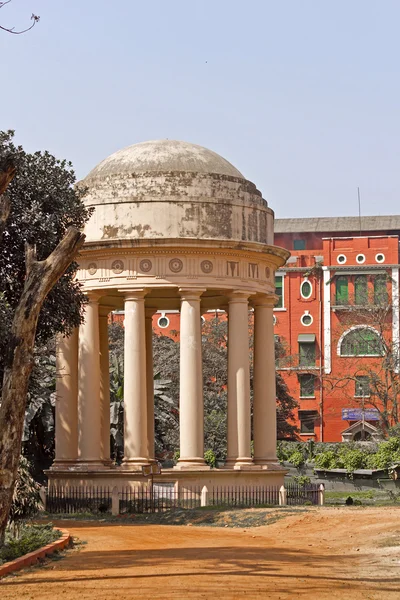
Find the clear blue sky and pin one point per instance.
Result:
(301, 96)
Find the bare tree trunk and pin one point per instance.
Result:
(41, 276)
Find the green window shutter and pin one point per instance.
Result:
(307, 420)
(361, 290)
(279, 290)
(307, 386)
(342, 291)
(380, 290)
(307, 354)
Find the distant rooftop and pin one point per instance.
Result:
(337, 224)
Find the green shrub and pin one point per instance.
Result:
(26, 498)
(297, 459)
(388, 454)
(210, 458)
(302, 479)
(326, 460)
(352, 459)
(31, 537)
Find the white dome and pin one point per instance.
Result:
(164, 156)
(173, 190)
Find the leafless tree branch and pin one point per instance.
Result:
(34, 18)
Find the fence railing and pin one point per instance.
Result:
(67, 500)
(165, 497)
(242, 496)
(158, 499)
(303, 494)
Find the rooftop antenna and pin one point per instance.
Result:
(359, 207)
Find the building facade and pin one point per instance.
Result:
(337, 294)
(338, 302)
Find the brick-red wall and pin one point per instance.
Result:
(289, 326)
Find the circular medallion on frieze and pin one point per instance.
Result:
(206, 266)
(176, 265)
(117, 266)
(267, 272)
(145, 265)
(92, 268)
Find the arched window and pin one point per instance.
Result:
(360, 341)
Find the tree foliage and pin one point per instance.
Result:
(44, 204)
(40, 240)
(26, 500)
(165, 406)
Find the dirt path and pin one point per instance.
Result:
(351, 554)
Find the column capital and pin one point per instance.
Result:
(191, 293)
(94, 296)
(264, 301)
(149, 312)
(239, 296)
(134, 293)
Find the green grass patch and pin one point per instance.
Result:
(366, 494)
(30, 538)
(363, 498)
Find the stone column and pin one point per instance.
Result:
(191, 411)
(135, 389)
(89, 409)
(66, 425)
(239, 426)
(264, 401)
(104, 383)
(149, 312)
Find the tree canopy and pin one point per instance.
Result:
(44, 204)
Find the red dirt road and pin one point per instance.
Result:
(347, 553)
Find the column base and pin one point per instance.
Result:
(192, 464)
(239, 463)
(268, 463)
(90, 465)
(63, 463)
(135, 464)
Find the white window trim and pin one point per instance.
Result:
(306, 280)
(341, 262)
(163, 316)
(283, 291)
(380, 254)
(360, 262)
(306, 314)
(327, 319)
(353, 328)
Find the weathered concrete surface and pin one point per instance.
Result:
(168, 189)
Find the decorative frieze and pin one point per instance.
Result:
(175, 265)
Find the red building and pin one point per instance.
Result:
(337, 266)
(327, 319)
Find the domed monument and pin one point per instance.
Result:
(174, 227)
